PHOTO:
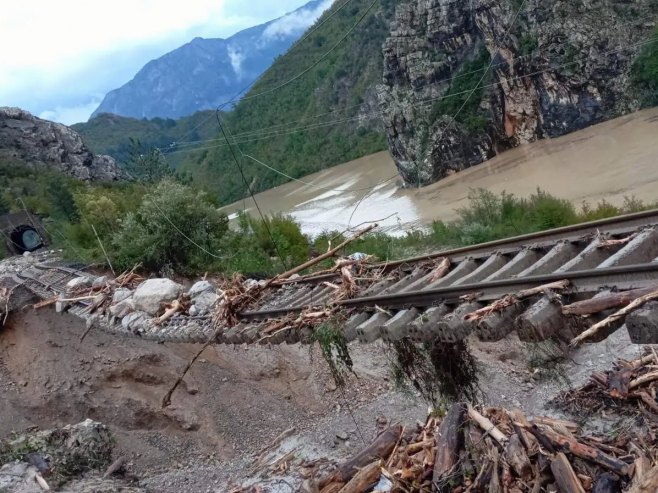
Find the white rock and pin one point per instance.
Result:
(151, 293)
(99, 282)
(200, 287)
(123, 308)
(121, 294)
(193, 311)
(135, 321)
(204, 302)
(78, 282)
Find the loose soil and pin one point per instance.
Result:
(236, 400)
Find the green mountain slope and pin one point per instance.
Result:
(268, 126)
(111, 134)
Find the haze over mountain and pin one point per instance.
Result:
(204, 73)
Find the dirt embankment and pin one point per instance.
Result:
(235, 400)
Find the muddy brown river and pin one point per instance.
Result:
(608, 161)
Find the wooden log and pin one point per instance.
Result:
(449, 442)
(553, 422)
(546, 434)
(603, 303)
(618, 315)
(380, 448)
(322, 257)
(565, 477)
(642, 468)
(115, 466)
(649, 483)
(619, 383)
(441, 270)
(363, 480)
(607, 483)
(487, 426)
(648, 400)
(641, 380)
(517, 457)
(332, 488)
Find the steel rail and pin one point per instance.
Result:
(617, 225)
(590, 280)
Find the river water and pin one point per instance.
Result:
(611, 160)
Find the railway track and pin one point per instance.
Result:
(429, 297)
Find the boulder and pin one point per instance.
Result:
(201, 287)
(19, 477)
(121, 294)
(99, 282)
(123, 308)
(78, 282)
(135, 321)
(204, 302)
(152, 293)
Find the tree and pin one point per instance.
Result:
(147, 165)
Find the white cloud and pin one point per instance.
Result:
(296, 22)
(71, 114)
(58, 54)
(236, 60)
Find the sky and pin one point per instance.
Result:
(59, 58)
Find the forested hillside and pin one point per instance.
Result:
(274, 128)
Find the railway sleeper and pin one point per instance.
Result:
(493, 264)
(464, 268)
(405, 281)
(641, 249)
(642, 324)
(521, 261)
(349, 330)
(453, 327)
(560, 254)
(500, 324)
(590, 257)
(421, 329)
(398, 327)
(542, 320)
(368, 331)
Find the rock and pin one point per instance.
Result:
(434, 45)
(123, 308)
(204, 302)
(136, 321)
(18, 477)
(193, 311)
(121, 294)
(78, 282)
(61, 306)
(199, 288)
(152, 292)
(99, 282)
(342, 435)
(39, 144)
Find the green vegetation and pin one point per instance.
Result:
(466, 93)
(644, 74)
(333, 345)
(113, 134)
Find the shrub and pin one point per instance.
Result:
(175, 228)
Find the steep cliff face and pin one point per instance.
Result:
(39, 143)
(464, 81)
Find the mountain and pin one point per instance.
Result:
(34, 143)
(341, 64)
(111, 134)
(464, 81)
(204, 73)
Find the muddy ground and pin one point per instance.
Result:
(237, 399)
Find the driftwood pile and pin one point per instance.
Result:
(495, 450)
(629, 387)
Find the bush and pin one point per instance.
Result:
(644, 74)
(175, 228)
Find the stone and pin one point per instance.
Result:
(41, 144)
(153, 292)
(342, 435)
(123, 308)
(204, 302)
(193, 311)
(19, 477)
(135, 322)
(99, 282)
(121, 294)
(78, 282)
(199, 288)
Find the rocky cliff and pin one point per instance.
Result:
(464, 81)
(41, 143)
